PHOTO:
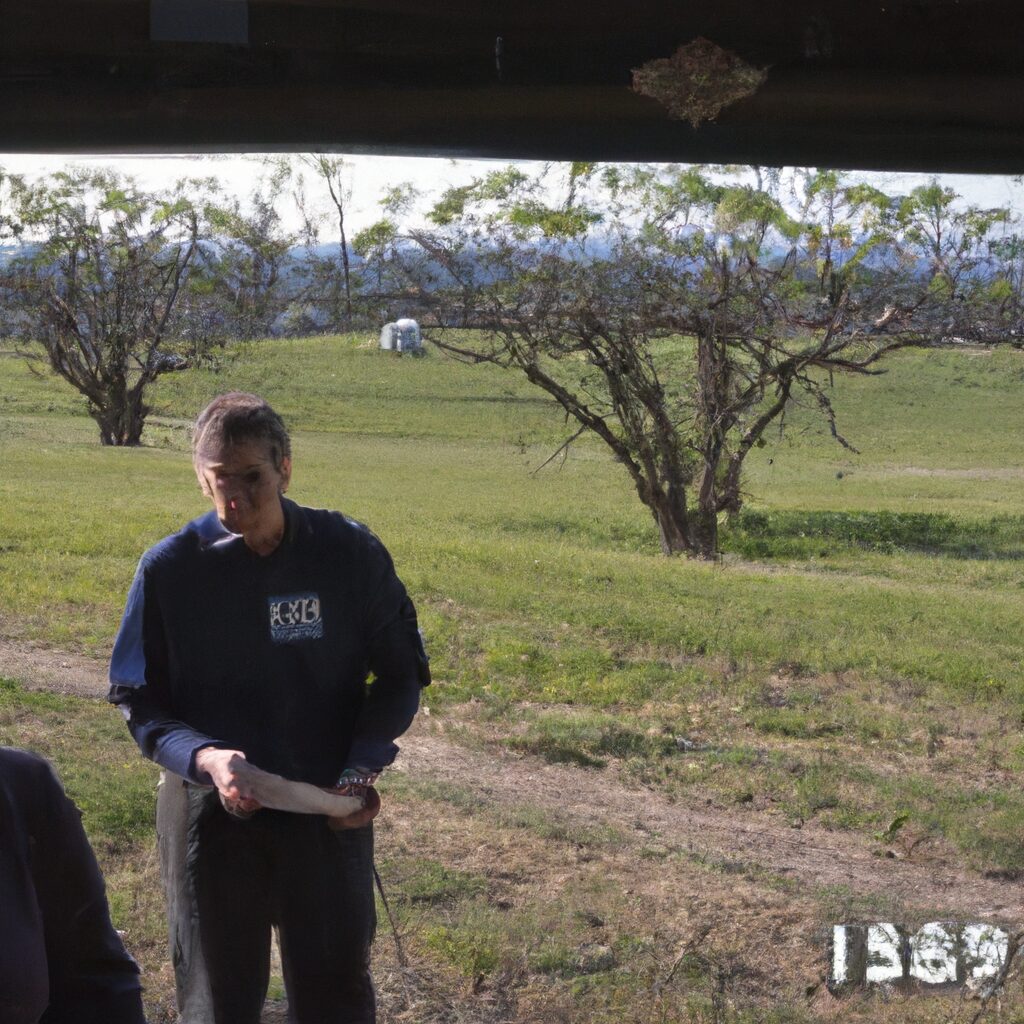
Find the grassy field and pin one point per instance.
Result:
(854, 658)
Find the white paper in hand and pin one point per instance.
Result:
(299, 797)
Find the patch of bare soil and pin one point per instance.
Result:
(58, 671)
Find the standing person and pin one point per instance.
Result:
(251, 634)
(61, 962)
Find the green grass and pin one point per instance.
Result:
(88, 744)
(436, 466)
(424, 880)
(590, 739)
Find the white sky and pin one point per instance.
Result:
(369, 176)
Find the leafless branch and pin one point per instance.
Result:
(564, 447)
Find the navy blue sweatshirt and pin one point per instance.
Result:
(61, 962)
(270, 655)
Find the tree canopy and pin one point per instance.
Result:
(101, 283)
(677, 312)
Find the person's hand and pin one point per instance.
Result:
(227, 770)
(369, 810)
(357, 782)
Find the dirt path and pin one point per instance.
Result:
(810, 856)
(59, 671)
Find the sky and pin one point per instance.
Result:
(369, 175)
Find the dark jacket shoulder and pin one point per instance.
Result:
(27, 777)
(337, 532)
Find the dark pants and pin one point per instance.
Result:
(288, 870)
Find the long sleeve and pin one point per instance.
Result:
(92, 979)
(398, 663)
(139, 685)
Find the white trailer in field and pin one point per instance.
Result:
(402, 336)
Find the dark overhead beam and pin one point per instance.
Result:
(903, 84)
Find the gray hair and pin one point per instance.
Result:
(236, 418)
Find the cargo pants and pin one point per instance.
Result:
(228, 882)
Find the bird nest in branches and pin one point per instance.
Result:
(698, 80)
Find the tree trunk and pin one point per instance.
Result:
(345, 269)
(680, 531)
(671, 532)
(121, 421)
(713, 380)
(704, 534)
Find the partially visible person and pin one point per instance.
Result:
(61, 962)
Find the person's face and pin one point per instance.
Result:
(244, 485)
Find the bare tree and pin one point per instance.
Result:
(330, 285)
(99, 283)
(9, 185)
(249, 257)
(674, 316)
(331, 172)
